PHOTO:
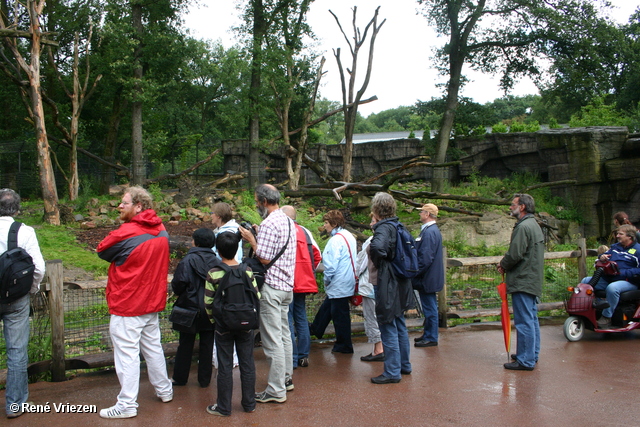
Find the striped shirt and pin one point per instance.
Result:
(272, 236)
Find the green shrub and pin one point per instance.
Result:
(533, 126)
(479, 131)
(597, 113)
(499, 128)
(517, 127)
(553, 123)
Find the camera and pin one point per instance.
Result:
(248, 226)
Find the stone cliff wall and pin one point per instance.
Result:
(604, 161)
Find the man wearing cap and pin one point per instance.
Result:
(430, 279)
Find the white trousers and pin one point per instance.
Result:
(129, 336)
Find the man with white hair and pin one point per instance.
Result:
(430, 279)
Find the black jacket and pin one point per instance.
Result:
(188, 283)
(393, 295)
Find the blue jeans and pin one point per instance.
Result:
(525, 318)
(395, 340)
(613, 289)
(299, 326)
(429, 304)
(15, 321)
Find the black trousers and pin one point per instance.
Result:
(185, 353)
(243, 341)
(336, 309)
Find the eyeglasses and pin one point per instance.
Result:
(125, 203)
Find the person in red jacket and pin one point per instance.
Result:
(136, 291)
(308, 257)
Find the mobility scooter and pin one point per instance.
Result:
(585, 306)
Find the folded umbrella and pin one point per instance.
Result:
(505, 317)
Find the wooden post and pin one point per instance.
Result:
(442, 295)
(582, 259)
(55, 280)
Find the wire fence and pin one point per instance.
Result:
(470, 290)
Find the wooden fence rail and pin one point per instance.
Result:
(55, 285)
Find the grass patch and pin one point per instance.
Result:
(60, 243)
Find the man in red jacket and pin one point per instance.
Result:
(136, 291)
(308, 257)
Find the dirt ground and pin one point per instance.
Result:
(180, 235)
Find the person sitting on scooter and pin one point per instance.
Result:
(626, 253)
(621, 218)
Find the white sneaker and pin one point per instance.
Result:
(114, 412)
(166, 398)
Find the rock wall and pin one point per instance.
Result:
(605, 162)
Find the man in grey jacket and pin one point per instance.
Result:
(524, 266)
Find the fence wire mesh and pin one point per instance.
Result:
(86, 315)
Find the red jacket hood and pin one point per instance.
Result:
(147, 218)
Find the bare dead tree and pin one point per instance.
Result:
(78, 97)
(31, 89)
(348, 97)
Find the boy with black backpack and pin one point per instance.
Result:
(232, 302)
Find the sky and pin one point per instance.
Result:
(402, 70)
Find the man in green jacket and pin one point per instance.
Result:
(524, 266)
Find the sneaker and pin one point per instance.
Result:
(264, 397)
(166, 398)
(304, 362)
(114, 412)
(11, 415)
(288, 384)
(213, 410)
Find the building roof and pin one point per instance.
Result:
(359, 138)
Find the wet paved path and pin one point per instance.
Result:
(459, 383)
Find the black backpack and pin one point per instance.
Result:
(235, 305)
(16, 269)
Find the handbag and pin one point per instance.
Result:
(356, 298)
(183, 316)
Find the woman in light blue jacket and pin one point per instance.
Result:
(339, 260)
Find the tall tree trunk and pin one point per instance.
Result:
(304, 131)
(111, 139)
(440, 175)
(74, 181)
(47, 178)
(457, 52)
(137, 155)
(259, 30)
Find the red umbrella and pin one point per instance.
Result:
(505, 317)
